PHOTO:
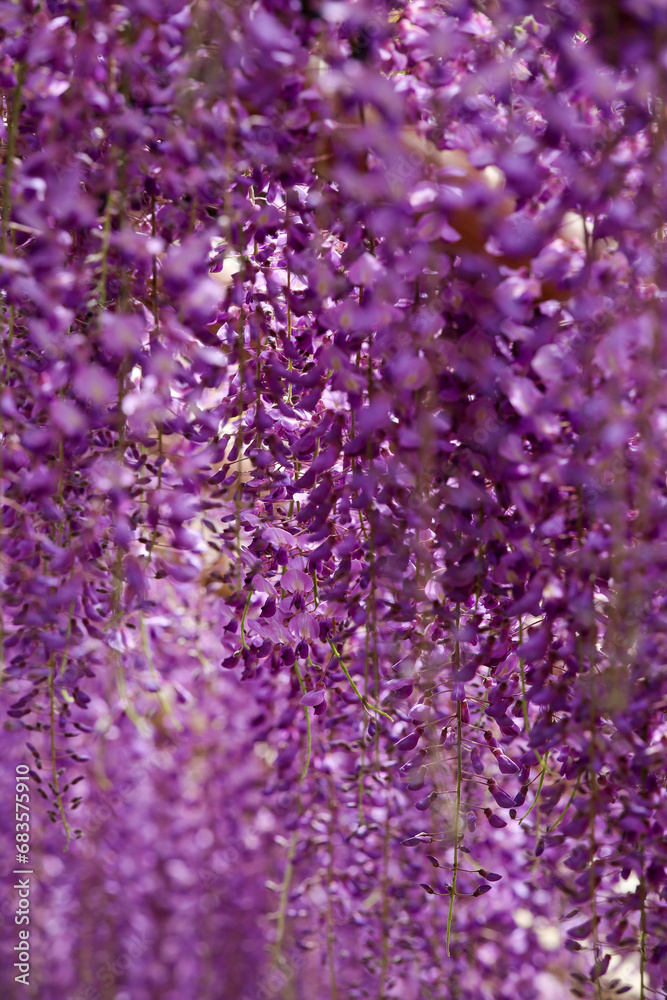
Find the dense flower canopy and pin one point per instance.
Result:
(333, 540)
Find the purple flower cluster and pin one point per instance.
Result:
(333, 510)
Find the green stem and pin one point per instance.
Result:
(331, 940)
(308, 732)
(385, 909)
(284, 893)
(56, 785)
(159, 487)
(642, 938)
(567, 805)
(156, 321)
(364, 701)
(539, 789)
(123, 694)
(245, 613)
(450, 915)
(106, 233)
(10, 154)
(145, 645)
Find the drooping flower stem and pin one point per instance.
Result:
(459, 778)
(384, 946)
(54, 766)
(331, 934)
(10, 153)
(302, 685)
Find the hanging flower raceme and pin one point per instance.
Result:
(332, 495)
